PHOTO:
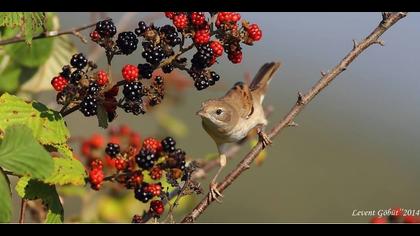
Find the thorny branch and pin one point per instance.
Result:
(208, 166)
(51, 34)
(388, 20)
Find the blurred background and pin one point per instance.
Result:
(357, 144)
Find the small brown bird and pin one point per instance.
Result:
(230, 118)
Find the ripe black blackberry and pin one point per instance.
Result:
(76, 76)
(158, 80)
(168, 144)
(66, 72)
(141, 29)
(133, 91)
(112, 149)
(203, 57)
(167, 68)
(78, 61)
(201, 82)
(170, 35)
(93, 88)
(106, 28)
(154, 55)
(214, 76)
(146, 70)
(141, 193)
(89, 106)
(135, 107)
(127, 42)
(145, 159)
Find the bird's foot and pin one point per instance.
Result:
(214, 194)
(265, 140)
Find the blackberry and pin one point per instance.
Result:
(141, 193)
(135, 107)
(146, 70)
(93, 88)
(167, 68)
(145, 159)
(133, 91)
(89, 106)
(136, 219)
(214, 76)
(201, 82)
(112, 149)
(141, 29)
(66, 72)
(203, 57)
(170, 35)
(78, 61)
(127, 42)
(76, 76)
(168, 144)
(154, 55)
(158, 80)
(106, 28)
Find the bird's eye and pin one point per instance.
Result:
(219, 111)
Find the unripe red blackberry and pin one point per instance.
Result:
(180, 21)
(157, 207)
(59, 83)
(130, 72)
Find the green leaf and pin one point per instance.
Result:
(9, 77)
(62, 51)
(67, 171)
(5, 198)
(21, 185)
(29, 23)
(22, 154)
(102, 117)
(37, 52)
(34, 189)
(47, 126)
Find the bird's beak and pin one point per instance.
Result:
(201, 113)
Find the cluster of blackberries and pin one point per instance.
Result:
(203, 79)
(126, 42)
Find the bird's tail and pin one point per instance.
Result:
(261, 80)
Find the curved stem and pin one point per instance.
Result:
(389, 19)
(51, 34)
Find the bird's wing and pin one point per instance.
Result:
(262, 79)
(240, 97)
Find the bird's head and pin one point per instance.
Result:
(218, 113)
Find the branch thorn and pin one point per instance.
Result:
(300, 99)
(293, 124)
(354, 44)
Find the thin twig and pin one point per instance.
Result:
(389, 19)
(50, 34)
(22, 211)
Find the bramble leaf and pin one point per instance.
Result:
(47, 125)
(22, 154)
(5, 198)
